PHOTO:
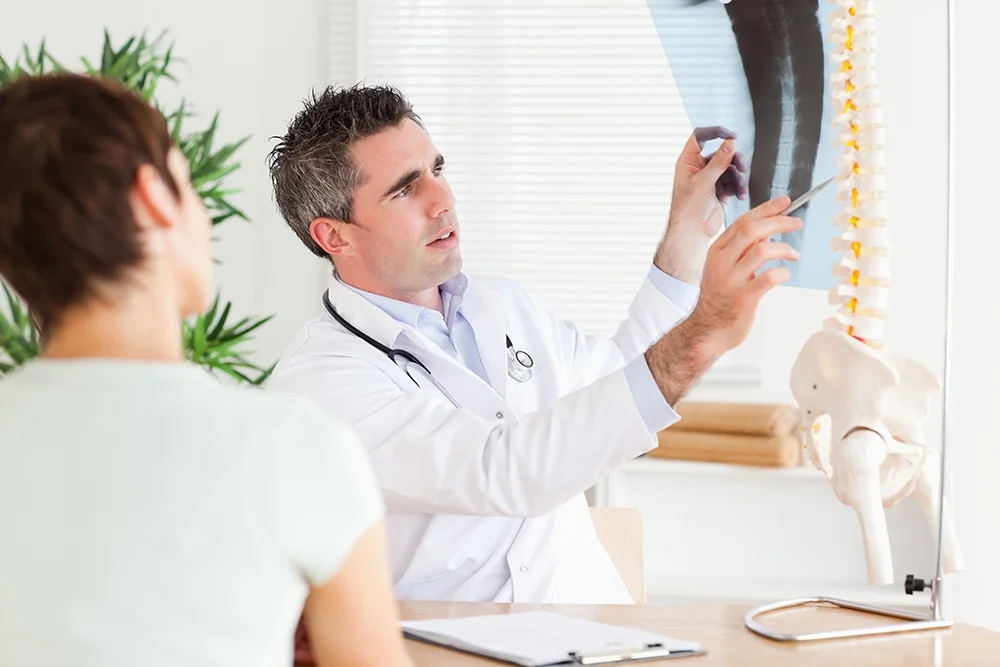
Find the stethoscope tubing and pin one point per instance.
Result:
(521, 356)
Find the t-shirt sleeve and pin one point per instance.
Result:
(325, 496)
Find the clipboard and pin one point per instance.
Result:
(634, 654)
(546, 639)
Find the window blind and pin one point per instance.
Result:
(560, 124)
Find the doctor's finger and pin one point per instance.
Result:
(762, 253)
(725, 188)
(768, 208)
(702, 135)
(740, 160)
(768, 280)
(748, 230)
(731, 183)
(756, 232)
(723, 192)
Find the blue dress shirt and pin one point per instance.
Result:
(454, 335)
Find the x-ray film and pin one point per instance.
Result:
(760, 68)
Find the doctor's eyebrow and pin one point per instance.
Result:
(411, 176)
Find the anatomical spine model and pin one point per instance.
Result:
(864, 409)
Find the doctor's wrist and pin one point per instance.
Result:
(683, 259)
(682, 356)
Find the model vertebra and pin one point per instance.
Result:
(863, 272)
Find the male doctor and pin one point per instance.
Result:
(483, 453)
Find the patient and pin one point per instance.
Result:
(149, 514)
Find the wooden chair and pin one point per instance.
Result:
(620, 531)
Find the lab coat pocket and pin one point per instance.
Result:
(452, 562)
(536, 393)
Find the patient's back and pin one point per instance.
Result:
(152, 516)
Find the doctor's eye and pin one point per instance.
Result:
(404, 192)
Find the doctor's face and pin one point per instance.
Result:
(404, 232)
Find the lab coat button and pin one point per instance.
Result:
(499, 415)
(524, 568)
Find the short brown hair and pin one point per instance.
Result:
(70, 147)
(313, 173)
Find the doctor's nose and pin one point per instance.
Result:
(441, 199)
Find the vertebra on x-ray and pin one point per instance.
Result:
(781, 46)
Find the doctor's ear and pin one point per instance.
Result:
(332, 235)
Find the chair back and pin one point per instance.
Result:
(620, 531)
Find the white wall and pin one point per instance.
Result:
(254, 60)
(974, 424)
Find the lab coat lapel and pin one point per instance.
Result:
(481, 306)
(484, 309)
(364, 315)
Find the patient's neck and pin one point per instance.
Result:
(136, 324)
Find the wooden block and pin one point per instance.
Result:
(770, 451)
(768, 419)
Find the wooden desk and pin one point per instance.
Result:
(720, 629)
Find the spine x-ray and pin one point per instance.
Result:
(760, 67)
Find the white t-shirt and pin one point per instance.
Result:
(151, 516)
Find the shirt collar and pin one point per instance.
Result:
(452, 292)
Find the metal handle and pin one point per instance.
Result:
(618, 655)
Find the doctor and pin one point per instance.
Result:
(485, 416)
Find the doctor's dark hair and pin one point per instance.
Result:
(70, 148)
(312, 170)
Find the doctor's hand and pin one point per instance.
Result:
(731, 288)
(702, 187)
(733, 285)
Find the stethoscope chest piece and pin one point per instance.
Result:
(519, 364)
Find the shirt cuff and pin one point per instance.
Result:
(681, 293)
(656, 412)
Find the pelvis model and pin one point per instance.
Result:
(864, 408)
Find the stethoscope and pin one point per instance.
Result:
(519, 362)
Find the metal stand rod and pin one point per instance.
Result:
(949, 262)
(911, 621)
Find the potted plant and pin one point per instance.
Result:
(214, 339)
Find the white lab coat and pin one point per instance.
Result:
(486, 503)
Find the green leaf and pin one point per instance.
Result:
(11, 303)
(265, 374)
(108, 54)
(56, 65)
(200, 342)
(7, 73)
(218, 328)
(210, 315)
(214, 175)
(229, 370)
(254, 326)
